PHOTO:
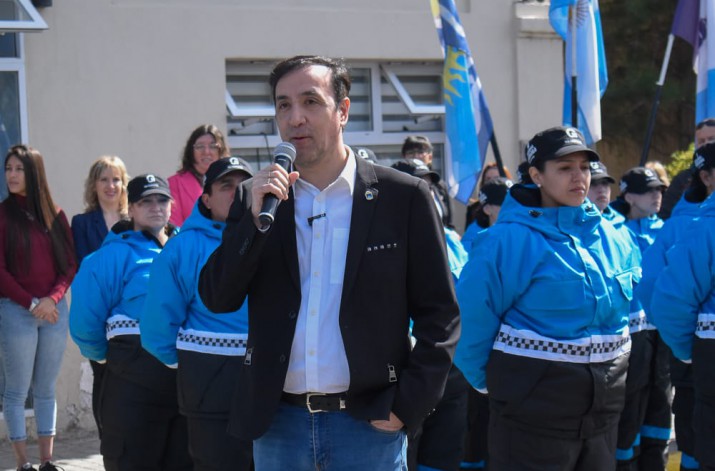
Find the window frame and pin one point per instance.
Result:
(391, 74)
(375, 136)
(17, 65)
(36, 22)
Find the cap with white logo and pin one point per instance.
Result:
(557, 142)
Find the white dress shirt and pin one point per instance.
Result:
(318, 362)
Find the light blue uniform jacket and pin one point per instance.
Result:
(109, 291)
(174, 316)
(683, 303)
(548, 283)
(654, 261)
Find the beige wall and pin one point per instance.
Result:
(133, 77)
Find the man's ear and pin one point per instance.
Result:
(205, 200)
(344, 110)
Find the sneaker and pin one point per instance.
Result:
(26, 467)
(48, 466)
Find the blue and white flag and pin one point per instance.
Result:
(692, 21)
(704, 63)
(592, 75)
(468, 122)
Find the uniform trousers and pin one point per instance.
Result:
(638, 387)
(553, 415)
(142, 429)
(439, 443)
(655, 432)
(206, 383)
(704, 413)
(681, 376)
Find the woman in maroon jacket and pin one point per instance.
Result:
(37, 266)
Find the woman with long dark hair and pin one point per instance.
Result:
(204, 146)
(37, 266)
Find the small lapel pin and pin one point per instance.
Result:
(370, 194)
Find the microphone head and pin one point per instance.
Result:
(285, 149)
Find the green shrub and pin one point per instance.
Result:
(680, 160)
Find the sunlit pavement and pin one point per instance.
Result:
(80, 452)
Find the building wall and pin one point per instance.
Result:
(134, 77)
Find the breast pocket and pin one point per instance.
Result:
(554, 295)
(338, 253)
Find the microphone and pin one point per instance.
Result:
(283, 155)
(313, 218)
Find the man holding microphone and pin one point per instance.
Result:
(331, 379)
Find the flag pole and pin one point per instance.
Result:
(497, 154)
(656, 101)
(574, 69)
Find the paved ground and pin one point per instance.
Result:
(78, 451)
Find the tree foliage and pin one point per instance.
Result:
(635, 36)
(681, 160)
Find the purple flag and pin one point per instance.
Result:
(693, 19)
(686, 22)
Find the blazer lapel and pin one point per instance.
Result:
(285, 220)
(99, 226)
(364, 202)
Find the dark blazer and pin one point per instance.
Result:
(396, 268)
(89, 231)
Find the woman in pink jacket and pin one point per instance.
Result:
(205, 145)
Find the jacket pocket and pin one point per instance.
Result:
(626, 280)
(122, 351)
(542, 393)
(554, 295)
(512, 378)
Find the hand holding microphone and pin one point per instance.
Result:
(271, 185)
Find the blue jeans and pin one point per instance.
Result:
(327, 441)
(32, 352)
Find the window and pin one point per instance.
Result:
(389, 101)
(13, 123)
(20, 15)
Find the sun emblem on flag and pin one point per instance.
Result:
(582, 10)
(455, 71)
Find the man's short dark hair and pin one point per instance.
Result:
(709, 122)
(340, 74)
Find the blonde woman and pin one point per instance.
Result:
(105, 200)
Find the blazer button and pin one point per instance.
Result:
(292, 315)
(282, 359)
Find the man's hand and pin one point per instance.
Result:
(270, 180)
(392, 425)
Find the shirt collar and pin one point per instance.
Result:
(347, 175)
(349, 171)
